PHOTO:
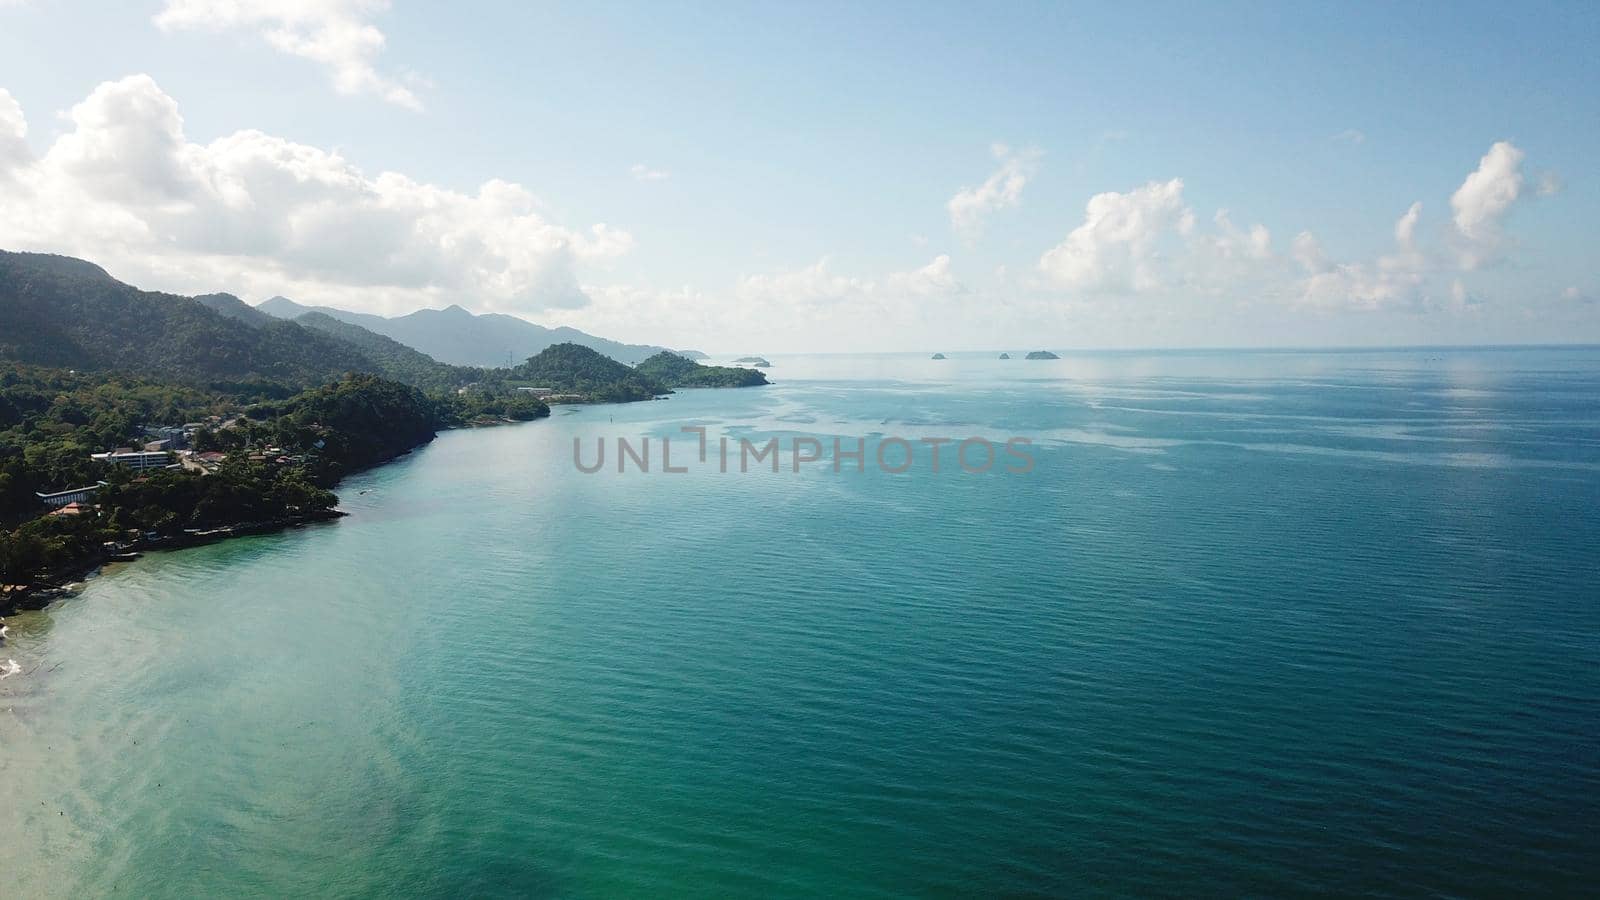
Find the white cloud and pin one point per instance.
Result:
(1405, 230)
(1398, 280)
(1483, 200)
(337, 34)
(1412, 277)
(815, 294)
(1115, 249)
(14, 150)
(794, 309)
(642, 172)
(1550, 184)
(1461, 299)
(971, 207)
(1307, 251)
(932, 280)
(1350, 136)
(1232, 243)
(259, 214)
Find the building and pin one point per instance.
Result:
(176, 437)
(70, 495)
(537, 391)
(138, 460)
(205, 462)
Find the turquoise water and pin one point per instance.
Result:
(1258, 623)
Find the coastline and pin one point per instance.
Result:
(39, 594)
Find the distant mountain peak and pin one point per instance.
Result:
(226, 304)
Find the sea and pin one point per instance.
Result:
(1255, 623)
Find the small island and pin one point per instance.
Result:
(756, 361)
(938, 356)
(1005, 356)
(1042, 354)
(675, 371)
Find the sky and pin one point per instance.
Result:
(820, 177)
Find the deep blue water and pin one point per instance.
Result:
(1260, 623)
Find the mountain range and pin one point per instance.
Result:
(68, 313)
(457, 337)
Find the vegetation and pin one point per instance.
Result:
(1042, 354)
(676, 371)
(51, 420)
(281, 458)
(392, 359)
(93, 362)
(229, 306)
(459, 337)
(57, 311)
(574, 369)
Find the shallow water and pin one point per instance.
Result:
(1254, 623)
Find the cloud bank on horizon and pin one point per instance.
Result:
(262, 215)
(123, 184)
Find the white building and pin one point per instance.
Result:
(70, 495)
(138, 460)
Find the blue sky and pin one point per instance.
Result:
(775, 178)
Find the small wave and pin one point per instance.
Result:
(9, 669)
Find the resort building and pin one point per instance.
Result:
(138, 460)
(70, 495)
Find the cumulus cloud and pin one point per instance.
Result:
(642, 172)
(1483, 200)
(13, 135)
(971, 207)
(1413, 277)
(817, 292)
(810, 307)
(1307, 251)
(336, 34)
(1398, 280)
(933, 279)
(1405, 230)
(256, 213)
(1115, 249)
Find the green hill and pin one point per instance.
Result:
(570, 368)
(674, 370)
(58, 311)
(233, 308)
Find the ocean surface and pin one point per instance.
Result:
(1253, 624)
